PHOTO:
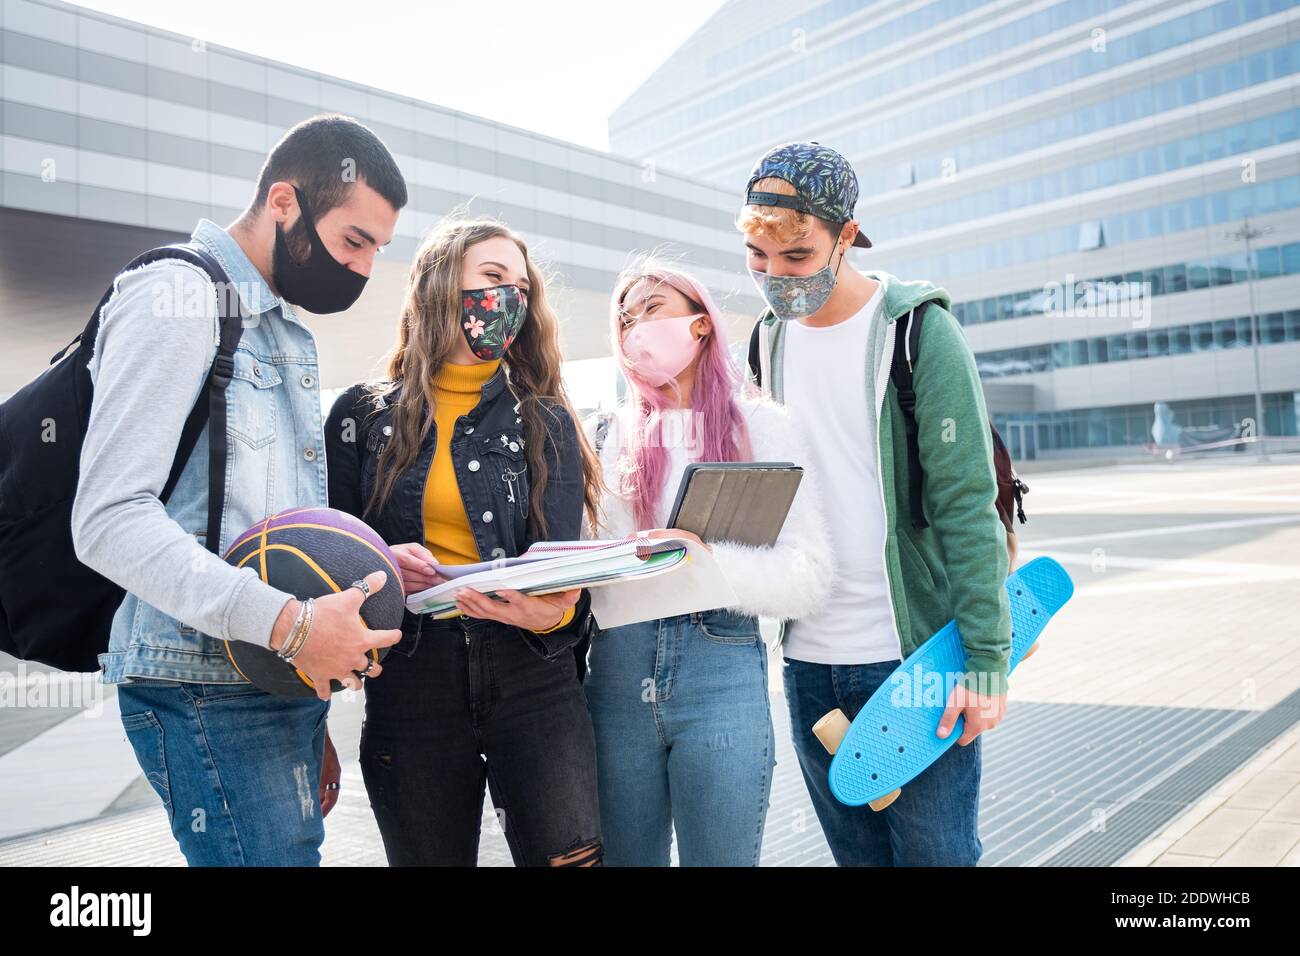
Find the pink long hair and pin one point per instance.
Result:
(718, 424)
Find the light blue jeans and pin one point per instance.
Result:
(683, 739)
(237, 769)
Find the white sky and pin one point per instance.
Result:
(557, 67)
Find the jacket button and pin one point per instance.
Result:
(514, 446)
(487, 516)
(308, 381)
(473, 465)
(257, 371)
(469, 430)
(388, 429)
(309, 454)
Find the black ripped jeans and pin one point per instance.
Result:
(473, 705)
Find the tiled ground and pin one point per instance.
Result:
(1251, 819)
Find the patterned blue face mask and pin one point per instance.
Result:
(796, 297)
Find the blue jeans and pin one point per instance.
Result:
(684, 739)
(237, 769)
(932, 823)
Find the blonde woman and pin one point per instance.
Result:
(469, 451)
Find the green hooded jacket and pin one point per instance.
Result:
(956, 567)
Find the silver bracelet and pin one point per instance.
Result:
(298, 633)
(308, 620)
(293, 630)
(283, 652)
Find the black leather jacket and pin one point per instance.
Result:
(488, 452)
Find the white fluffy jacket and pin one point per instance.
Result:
(786, 581)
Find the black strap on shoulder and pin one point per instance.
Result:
(907, 342)
(211, 403)
(755, 367)
(223, 367)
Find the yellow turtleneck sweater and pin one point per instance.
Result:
(457, 389)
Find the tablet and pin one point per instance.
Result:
(741, 501)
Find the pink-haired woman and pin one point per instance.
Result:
(680, 707)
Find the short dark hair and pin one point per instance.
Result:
(316, 156)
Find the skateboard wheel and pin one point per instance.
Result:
(884, 801)
(830, 730)
(1030, 653)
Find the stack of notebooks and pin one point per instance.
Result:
(551, 566)
(743, 502)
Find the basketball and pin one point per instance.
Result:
(312, 552)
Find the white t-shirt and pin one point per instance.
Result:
(826, 393)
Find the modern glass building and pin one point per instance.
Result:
(1080, 175)
(115, 136)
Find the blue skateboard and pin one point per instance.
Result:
(892, 739)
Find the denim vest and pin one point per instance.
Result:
(276, 460)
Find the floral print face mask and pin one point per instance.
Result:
(491, 318)
(796, 297)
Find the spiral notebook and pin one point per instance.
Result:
(618, 567)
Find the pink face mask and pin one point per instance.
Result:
(660, 348)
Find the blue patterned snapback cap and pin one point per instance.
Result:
(825, 184)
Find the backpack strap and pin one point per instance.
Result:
(211, 403)
(907, 345)
(760, 353)
(223, 368)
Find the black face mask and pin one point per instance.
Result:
(321, 284)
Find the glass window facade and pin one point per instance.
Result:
(1185, 90)
(1131, 424)
(1195, 212)
(774, 125)
(1131, 166)
(1271, 262)
(1275, 328)
(822, 57)
(1165, 104)
(809, 21)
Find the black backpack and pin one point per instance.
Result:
(907, 344)
(54, 609)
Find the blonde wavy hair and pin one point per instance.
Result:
(783, 225)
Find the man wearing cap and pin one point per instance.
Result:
(824, 348)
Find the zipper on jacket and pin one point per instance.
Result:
(890, 331)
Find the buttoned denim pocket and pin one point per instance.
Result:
(145, 734)
(251, 407)
(728, 627)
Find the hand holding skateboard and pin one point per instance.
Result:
(895, 735)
